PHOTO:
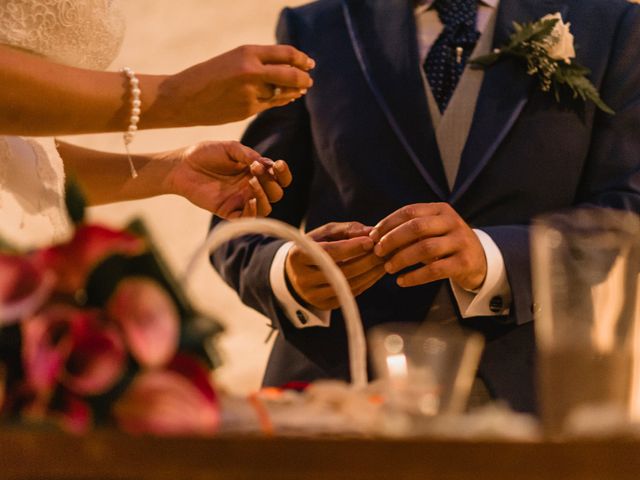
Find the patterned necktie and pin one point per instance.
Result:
(449, 54)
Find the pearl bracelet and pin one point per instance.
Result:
(134, 118)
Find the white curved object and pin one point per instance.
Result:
(355, 332)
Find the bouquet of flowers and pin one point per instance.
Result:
(96, 331)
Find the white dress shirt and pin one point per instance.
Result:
(470, 303)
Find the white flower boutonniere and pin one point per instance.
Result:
(547, 47)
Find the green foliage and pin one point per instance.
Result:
(6, 247)
(575, 78)
(529, 43)
(74, 201)
(528, 34)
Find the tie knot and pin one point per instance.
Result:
(455, 13)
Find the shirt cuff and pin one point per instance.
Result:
(494, 296)
(299, 315)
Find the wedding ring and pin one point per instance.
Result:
(275, 91)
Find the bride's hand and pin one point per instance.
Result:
(231, 86)
(228, 179)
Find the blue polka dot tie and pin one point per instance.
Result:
(449, 54)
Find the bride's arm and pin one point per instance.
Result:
(222, 177)
(40, 97)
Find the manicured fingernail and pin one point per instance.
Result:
(303, 91)
(367, 246)
(379, 250)
(388, 267)
(400, 281)
(280, 166)
(311, 64)
(374, 235)
(255, 184)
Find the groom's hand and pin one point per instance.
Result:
(435, 236)
(350, 247)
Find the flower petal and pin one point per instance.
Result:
(23, 288)
(165, 403)
(196, 372)
(70, 346)
(97, 358)
(73, 261)
(149, 319)
(74, 415)
(46, 345)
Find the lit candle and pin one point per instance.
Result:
(397, 366)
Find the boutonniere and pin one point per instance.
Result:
(546, 46)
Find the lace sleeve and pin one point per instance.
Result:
(82, 33)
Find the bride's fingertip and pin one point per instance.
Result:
(257, 168)
(255, 184)
(253, 207)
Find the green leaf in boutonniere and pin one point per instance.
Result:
(546, 46)
(575, 78)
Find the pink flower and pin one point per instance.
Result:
(178, 401)
(70, 346)
(97, 359)
(149, 319)
(46, 345)
(71, 413)
(23, 288)
(72, 262)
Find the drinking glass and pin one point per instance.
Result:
(585, 267)
(427, 369)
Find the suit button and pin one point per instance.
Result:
(496, 304)
(302, 317)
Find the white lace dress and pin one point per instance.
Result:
(81, 33)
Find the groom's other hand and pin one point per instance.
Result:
(350, 246)
(435, 236)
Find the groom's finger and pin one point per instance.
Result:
(412, 231)
(343, 250)
(284, 54)
(403, 215)
(339, 231)
(360, 265)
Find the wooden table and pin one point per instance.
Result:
(37, 455)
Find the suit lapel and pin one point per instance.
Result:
(504, 93)
(383, 35)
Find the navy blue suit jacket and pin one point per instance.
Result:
(361, 145)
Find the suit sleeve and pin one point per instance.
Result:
(279, 133)
(611, 177)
